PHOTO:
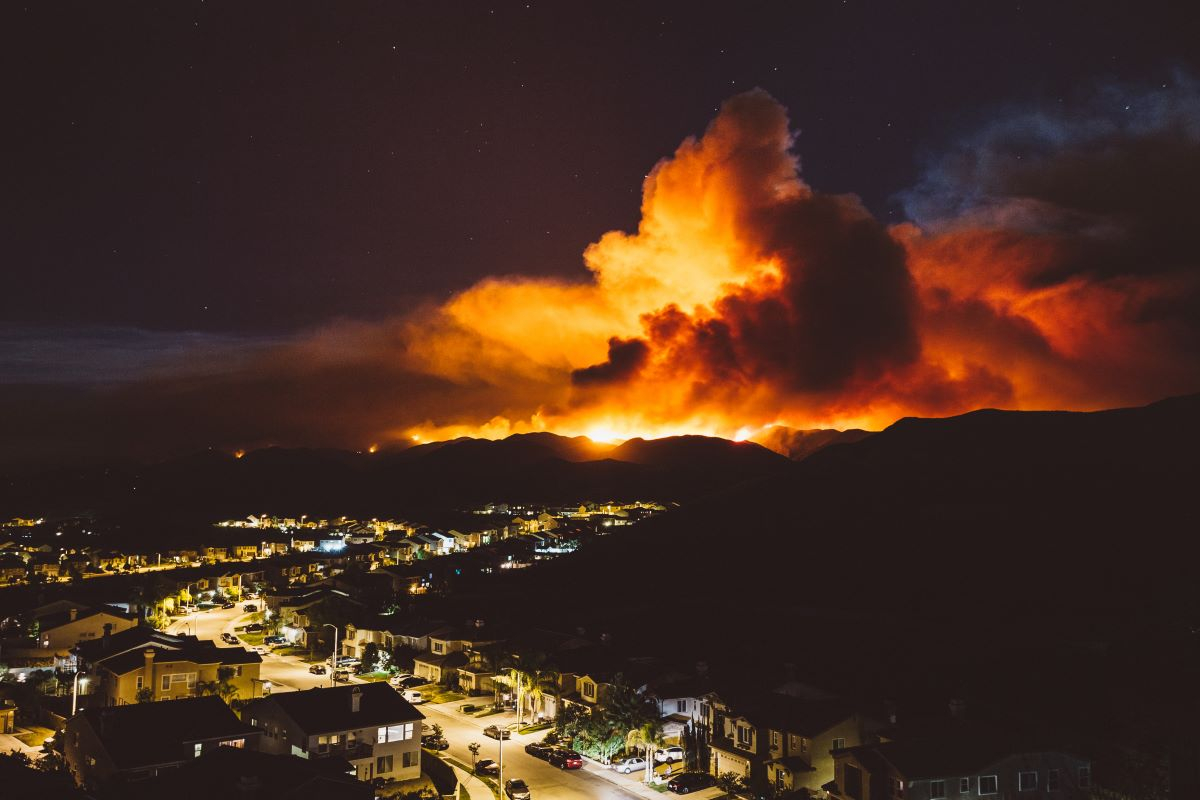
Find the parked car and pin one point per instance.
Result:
(539, 750)
(515, 789)
(399, 678)
(630, 764)
(487, 767)
(317, 669)
(412, 696)
(467, 708)
(690, 782)
(341, 676)
(229, 638)
(250, 608)
(565, 759)
(347, 661)
(228, 605)
(435, 742)
(669, 754)
(274, 640)
(412, 682)
(254, 627)
(496, 732)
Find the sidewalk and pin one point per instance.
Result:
(477, 789)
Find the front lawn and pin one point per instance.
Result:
(252, 639)
(374, 677)
(34, 735)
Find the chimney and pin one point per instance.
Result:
(107, 638)
(73, 613)
(148, 668)
(958, 708)
(355, 700)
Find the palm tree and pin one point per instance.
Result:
(647, 736)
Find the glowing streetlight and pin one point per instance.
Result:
(75, 691)
(333, 659)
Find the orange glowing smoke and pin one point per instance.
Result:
(746, 299)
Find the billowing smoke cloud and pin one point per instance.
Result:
(1049, 262)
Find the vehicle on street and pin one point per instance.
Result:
(630, 764)
(690, 782)
(229, 638)
(341, 676)
(412, 696)
(496, 732)
(258, 648)
(347, 661)
(487, 767)
(515, 789)
(468, 708)
(413, 682)
(669, 754)
(435, 742)
(228, 605)
(274, 640)
(317, 669)
(250, 608)
(565, 759)
(254, 627)
(399, 678)
(539, 750)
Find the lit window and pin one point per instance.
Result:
(395, 733)
(589, 689)
(774, 738)
(897, 787)
(234, 743)
(745, 735)
(937, 789)
(198, 748)
(1027, 781)
(988, 784)
(839, 744)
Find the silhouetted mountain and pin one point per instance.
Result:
(1036, 510)
(800, 444)
(539, 467)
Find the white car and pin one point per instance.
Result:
(670, 754)
(396, 680)
(628, 765)
(412, 696)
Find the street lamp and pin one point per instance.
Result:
(333, 658)
(75, 691)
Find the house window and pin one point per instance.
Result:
(937, 789)
(852, 777)
(989, 784)
(234, 743)
(196, 751)
(839, 744)
(681, 706)
(589, 689)
(238, 670)
(438, 647)
(897, 788)
(383, 764)
(1085, 777)
(395, 733)
(774, 738)
(140, 680)
(745, 736)
(322, 744)
(410, 758)
(1026, 781)
(964, 785)
(169, 682)
(1052, 781)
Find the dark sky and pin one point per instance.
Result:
(256, 167)
(232, 224)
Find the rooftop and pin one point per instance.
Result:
(327, 710)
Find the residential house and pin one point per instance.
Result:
(60, 630)
(106, 746)
(389, 632)
(369, 725)
(955, 766)
(168, 665)
(451, 648)
(681, 704)
(781, 739)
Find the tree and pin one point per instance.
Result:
(145, 695)
(648, 736)
(436, 730)
(370, 656)
(474, 748)
(731, 782)
(402, 657)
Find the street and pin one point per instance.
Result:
(544, 780)
(286, 673)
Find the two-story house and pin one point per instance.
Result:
(780, 739)
(957, 766)
(61, 630)
(369, 725)
(128, 743)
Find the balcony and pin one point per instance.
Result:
(350, 752)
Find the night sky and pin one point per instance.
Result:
(195, 190)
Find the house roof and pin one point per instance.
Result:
(200, 652)
(145, 734)
(318, 711)
(456, 659)
(794, 715)
(240, 772)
